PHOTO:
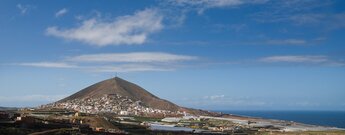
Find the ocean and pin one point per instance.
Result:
(324, 118)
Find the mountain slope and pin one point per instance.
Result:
(122, 87)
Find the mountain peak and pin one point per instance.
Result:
(121, 87)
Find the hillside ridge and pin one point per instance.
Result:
(125, 88)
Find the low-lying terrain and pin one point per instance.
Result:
(63, 121)
(116, 106)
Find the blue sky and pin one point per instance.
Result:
(208, 54)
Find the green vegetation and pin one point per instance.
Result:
(213, 122)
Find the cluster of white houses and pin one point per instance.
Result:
(110, 104)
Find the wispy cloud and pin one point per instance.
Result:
(222, 101)
(132, 57)
(119, 62)
(301, 12)
(332, 21)
(287, 42)
(303, 59)
(48, 64)
(124, 30)
(304, 104)
(61, 12)
(129, 68)
(160, 61)
(24, 8)
(295, 59)
(276, 11)
(214, 97)
(202, 5)
(31, 98)
(265, 40)
(310, 18)
(176, 11)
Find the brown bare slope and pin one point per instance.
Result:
(124, 88)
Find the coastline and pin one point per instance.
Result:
(314, 117)
(284, 124)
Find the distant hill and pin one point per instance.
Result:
(118, 94)
(8, 108)
(124, 88)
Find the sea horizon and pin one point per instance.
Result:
(331, 118)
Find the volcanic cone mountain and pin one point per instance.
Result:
(124, 88)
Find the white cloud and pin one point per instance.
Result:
(226, 101)
(61, 12)
(210, 3)
(119, 62)
(202, 5)
(126, 30)
(129, 68)
(214, 97)
(287, 42)
(30, 98)
(306, 18)
(303, 59)
(49, 64)
(333, 21)
(24, 8)
(295, 59)
(132, 57)
(216, 3)
(302, 12)
(304, 104)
